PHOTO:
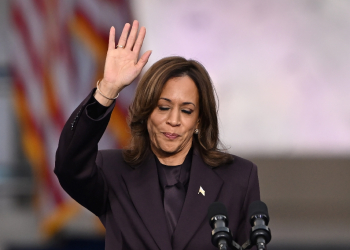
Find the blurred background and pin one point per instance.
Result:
(281, 72)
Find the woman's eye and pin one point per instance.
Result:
(163, 108)
(187, 111)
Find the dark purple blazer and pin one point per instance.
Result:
(128, 199)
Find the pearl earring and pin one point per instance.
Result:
(196, 131)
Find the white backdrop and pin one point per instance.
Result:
(281, 68)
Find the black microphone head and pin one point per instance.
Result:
(216, 208)
(258, 208)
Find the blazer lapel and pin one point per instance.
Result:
(143, 186)
(196, 204)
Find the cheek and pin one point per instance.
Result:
(154, 121)
(149, 127)
(152, 125)
(192, 124)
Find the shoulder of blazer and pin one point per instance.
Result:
(239, 169)
(112, 161)
(115, 154)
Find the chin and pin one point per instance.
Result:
(169, 147)
(169, 150)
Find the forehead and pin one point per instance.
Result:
(181, 89)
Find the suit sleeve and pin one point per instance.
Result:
(78, 163)
(252, 194)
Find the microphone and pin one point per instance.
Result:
(221, 236)
(259, 219)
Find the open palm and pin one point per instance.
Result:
(123, 64)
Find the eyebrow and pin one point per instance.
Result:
(184, 103)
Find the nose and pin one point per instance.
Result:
(174, 118)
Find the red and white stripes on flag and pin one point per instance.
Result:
(57, 51)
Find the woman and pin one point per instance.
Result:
(155, 193)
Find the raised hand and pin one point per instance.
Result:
(122, 64)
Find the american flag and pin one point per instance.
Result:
(58, 50)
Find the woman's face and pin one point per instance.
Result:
(172, 123)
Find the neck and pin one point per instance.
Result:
(172, 159)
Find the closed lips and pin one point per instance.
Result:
(170, 135)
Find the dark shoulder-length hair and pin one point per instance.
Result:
(146, 99)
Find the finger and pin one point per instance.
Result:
(124, 35)
(111, 41)
(132, 35)
(143, 60)
(139, 41)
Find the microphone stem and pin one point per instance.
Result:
(261, 243)
(223, 245)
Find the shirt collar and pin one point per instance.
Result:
(170, 175)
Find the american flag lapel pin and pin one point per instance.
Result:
(201, 190)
